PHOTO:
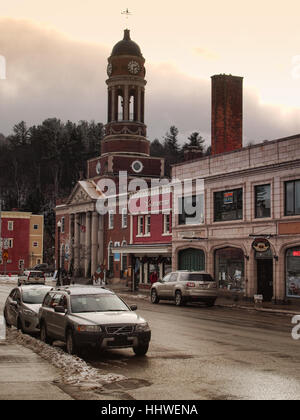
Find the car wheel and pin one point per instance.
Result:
(178, 299)
(20, 325)
(8, 325)
(210, 303)
(141, 350)
(44, 335)
(70, 343)
(154, 296)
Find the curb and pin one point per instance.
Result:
(221, 305)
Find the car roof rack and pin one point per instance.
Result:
(73, 286)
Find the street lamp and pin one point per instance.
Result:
(58, 283)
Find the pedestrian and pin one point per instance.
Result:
(153, 277)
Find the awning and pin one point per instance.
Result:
(144, 249)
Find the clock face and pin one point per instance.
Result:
(134, 67)
(137, 166)
(109, 69)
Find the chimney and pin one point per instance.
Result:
(227, 113)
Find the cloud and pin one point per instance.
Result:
(50, 75)
(207, 54)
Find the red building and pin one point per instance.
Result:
(150, 247)
(22, 241)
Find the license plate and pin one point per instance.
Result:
(120, 341)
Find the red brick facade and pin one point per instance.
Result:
(227, 113)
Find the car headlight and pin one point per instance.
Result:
(89, 328)
(28, 312)
(142, 327)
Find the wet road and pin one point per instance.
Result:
(205, 353)
(209, 353)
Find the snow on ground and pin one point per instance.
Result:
(74, 370)
(8, 279)
(128, 295)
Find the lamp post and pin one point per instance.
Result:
(58, 283)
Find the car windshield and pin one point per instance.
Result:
(196, 277)
(97, 303)
(34, 296)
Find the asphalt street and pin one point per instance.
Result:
(204, 353)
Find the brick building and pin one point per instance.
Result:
(249, 238)
(22, 236)
(150, 245)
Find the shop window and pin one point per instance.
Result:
(191, 210)
(228, 205)
(262, 201)
(229, 269)
(292, 198)
(293, 272)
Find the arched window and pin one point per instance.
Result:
(229, 268)
(191, 259)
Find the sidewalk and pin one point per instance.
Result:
(221, 301)
(26, 376)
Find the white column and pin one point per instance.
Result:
(71, 239)
(95, 227)
(76, 244)
(87, 243)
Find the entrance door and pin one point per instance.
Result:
(265, 278)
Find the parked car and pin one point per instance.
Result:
(84, 316)
(22, 307)
(44, 267)
(31, 277)
(185, 286)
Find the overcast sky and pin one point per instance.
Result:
(56, 55)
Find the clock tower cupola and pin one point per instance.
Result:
(125, 128)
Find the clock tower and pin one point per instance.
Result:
(125, 146)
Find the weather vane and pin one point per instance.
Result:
(126, 13)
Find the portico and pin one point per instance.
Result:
(82, 236)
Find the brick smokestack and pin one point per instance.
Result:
(227, 113)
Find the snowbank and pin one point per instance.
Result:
(74, 371)
(9, 280)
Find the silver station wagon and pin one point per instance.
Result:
(83, 316)
(22, 307)
(185, 286)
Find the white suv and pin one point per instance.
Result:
(185, 286)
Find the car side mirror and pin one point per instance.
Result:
(133, 307)
(60, 309)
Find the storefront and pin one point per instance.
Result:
(146, 259)
(229, 269)
(293, 272)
